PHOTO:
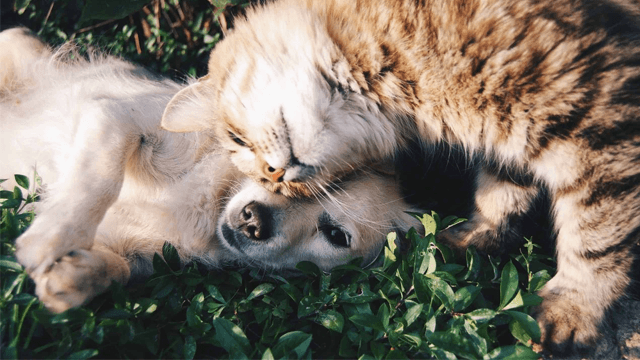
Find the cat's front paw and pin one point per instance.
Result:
(567, 325)
(460, 237)
(78, 277)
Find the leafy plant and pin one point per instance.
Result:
(168, 36)
(418, 304)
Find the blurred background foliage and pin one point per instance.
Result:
(172, 37)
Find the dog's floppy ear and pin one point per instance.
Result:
(191, 109)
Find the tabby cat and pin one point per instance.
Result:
(546, 91)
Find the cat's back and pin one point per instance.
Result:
(479, 70)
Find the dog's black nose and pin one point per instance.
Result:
(254, 221)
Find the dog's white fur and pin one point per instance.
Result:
(117, 186)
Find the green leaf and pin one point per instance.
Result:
(443, 291)
(9, 263)
(22, 180)
(308, 305)
(421, 287)
(521, 300)
(526, 324)
(365, 296)
(215, 293)
(538, 280)
(292, 342)
(413, 312)
(425, 261)
(20, 6)
(471, 329)
(170, 255)
(195, 310)
(432, 321)
(260, 290)
(190, 347)
(71, 316)
(396, 354)
(389, 250)
(451, 269)
(464, 297)
(331, 319)
(429, 223)
(116, 314)
(107, 10)
(451, 220)
(461, 346)
(447, 254)
(84, 354)
(160, 265)
(267, 355)
(531, 300)
(367, 320)
(163, 288)
(345, 348)
(309, 268)
(482, 316)
(378, 350)
(230, 336)
(519, 332)
(11, 204)
(512, 352)
(474, 264)
(508, 284)
(516, 302)
(383, 315)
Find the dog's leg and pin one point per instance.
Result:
(90, 182)
(19, 48)
(79, 276)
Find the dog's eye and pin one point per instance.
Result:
(236, 139)
(337, 236)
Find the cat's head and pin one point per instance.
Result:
(281, 99)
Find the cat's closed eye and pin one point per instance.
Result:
(237, 139)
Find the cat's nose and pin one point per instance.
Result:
(275, 174)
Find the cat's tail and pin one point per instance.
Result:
(19, 50)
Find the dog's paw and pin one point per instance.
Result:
(47, 240)
(78, 277)
(567, 326)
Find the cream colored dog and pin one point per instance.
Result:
(117, 186)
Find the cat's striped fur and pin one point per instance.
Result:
(547, 90)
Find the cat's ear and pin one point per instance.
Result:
(191, 109)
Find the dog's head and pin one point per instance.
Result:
(349, 220)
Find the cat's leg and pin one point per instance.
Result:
(499, 207)
(594, 252)
(90, 181)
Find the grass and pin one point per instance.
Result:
(419, 304)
